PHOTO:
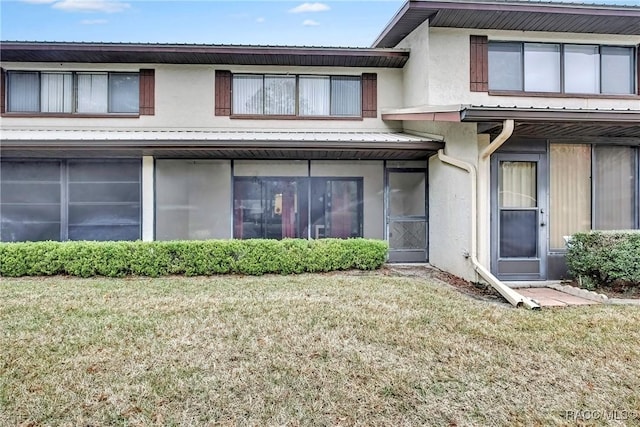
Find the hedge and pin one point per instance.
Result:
(191, 258)
(605, 257)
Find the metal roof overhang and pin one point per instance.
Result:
(511, 15)
(620, 126)
(200, 54)
(222, 145)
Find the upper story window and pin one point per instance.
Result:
(290, 95)
(73, 92)
(561, 68)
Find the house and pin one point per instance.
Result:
(477, 135)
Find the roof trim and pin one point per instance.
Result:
(150, 53)
(484, 15)
(483, 114)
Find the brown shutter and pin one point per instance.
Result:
(479, 64)
(369, 95)
(638, 65)
(147, 92)
(3, 97)
(223, 93)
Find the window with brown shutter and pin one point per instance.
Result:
(147, 92)
(369, 95)
(479, 64)
(3, 98)
(223, 93)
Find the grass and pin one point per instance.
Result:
(337, 349)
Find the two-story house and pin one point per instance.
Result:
(477, 135)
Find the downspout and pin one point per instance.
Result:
(509, 294)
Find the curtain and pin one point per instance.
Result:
(92, 93)
(617, 69)
(614, 188)
(124, 96)
(518, 185)
(314, 95)
(570, 192)
(280, 95)
(56, 92)
(346, 97)
(247, 94)
(24, 91)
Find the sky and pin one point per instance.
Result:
(266, 22)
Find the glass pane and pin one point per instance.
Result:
(104, 214)
(30, 171)
(518, 233)
(280, 95)
(581, 69)
(188, 200)
(518, 185)
(614, 188)
(30, 192)
(541, 67)
(314, 95)
(120, 171)
(24, 92)
(570, 197)
(617, 70)
(247, 209)
(336, 206)
(104, 192)
(408, 235)
(407, 194)
(104, 232)
(124, 93)
(92, 93)
(505, 66)
(56, 94)
(30, 201)
(19, 231)
(247, 94)
(345, 96)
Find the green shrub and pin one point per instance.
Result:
(191, 258)
(605, 257)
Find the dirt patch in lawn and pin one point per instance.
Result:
(476, 290)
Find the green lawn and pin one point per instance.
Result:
(335, 349)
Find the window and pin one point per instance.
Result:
(276, 208)
(287, 95)
(70, 200)
(561, 68)
(592, 187)
(67, 92)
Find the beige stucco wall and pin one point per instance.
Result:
(449, 58)
(184, 99)
(450, 198)
(416, 72)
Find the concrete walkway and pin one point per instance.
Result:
(548, 297)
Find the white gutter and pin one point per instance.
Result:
(509, 294)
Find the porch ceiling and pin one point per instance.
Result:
(558, 124)
(222, 145)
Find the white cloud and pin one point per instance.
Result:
(310, 23)
(310, 7)
(260, 20)
(107, 6)
(93, 21)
